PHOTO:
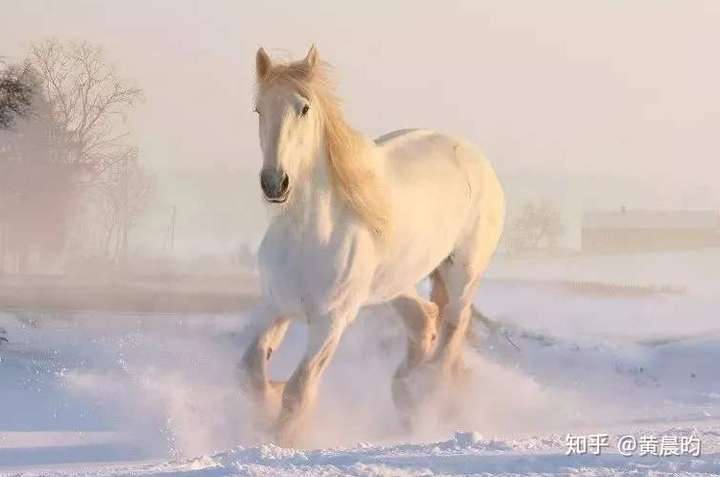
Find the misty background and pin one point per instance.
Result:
(586, 105)
(601, 118)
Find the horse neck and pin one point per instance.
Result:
(319, 207)
(316, 207)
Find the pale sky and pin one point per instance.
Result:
(590, 104)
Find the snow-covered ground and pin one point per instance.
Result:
(99, 394)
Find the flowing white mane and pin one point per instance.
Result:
(350, 158)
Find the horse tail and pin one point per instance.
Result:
(492, 327)
(479, 316)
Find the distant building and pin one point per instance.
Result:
(649, 230)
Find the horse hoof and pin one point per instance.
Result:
(285, 435)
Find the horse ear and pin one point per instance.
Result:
(262, 63)
(312, 57)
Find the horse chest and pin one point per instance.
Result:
(304, 277)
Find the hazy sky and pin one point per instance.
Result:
(592, 104)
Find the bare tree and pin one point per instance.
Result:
(91, 102)
(88, 99)
(536, 226)
(68, 141)
(124, 194)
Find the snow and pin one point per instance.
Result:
(454, 456)
(101, 394)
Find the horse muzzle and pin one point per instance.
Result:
(275, 185)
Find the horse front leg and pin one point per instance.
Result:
(300, 391)
(253, 365)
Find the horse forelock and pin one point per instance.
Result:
(354, 173)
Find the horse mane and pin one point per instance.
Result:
(350, 157)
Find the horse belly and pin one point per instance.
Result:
(424, 237)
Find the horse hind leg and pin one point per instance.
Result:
(455, 283)
(420, 318)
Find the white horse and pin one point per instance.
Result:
(361, 222)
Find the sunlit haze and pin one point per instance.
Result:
(589, 105)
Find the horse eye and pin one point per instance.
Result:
(305, 110)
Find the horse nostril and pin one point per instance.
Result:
(285, 184)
